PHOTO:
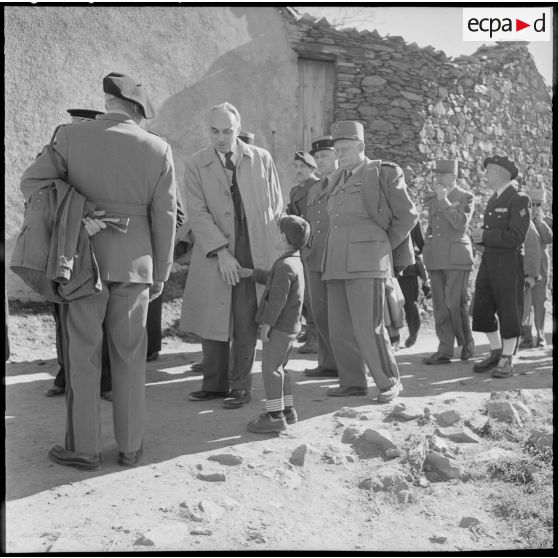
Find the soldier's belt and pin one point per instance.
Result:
(121, 208)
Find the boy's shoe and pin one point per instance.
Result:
(290, 415)
(266, 423)
(390, 393)
(541, 342)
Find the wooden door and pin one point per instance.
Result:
(315, 100)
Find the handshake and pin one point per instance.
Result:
(245, 272)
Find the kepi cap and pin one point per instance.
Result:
(306, 158)
(322, 143)
(84, 113)
(347, 129)
(126, 88)
(446, 166)
(247, 137)
(504, 162)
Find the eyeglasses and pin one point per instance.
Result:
(536, 204)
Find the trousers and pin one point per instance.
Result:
(410, 289)
(124, 308)
(451, 314)
(276, 378)
(359, 338)
(534, 299)
(317, 290)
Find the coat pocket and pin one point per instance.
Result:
(367, 251)
(460, 253)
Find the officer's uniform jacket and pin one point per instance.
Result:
(506, 221)
(544, 231)
(447, 243)
(299, 198)
(318, 218)
(370, 216)
(123, 170)
(206, 309)
(533, 253)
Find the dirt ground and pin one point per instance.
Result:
(261, 500)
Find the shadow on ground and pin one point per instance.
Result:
(176, 426)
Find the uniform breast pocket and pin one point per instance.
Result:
(460, 253)
(367, 252)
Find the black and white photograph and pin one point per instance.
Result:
(278, 278)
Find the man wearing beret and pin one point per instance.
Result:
(498, 299)
(234, 204)
(305, 174)
(448, 256)
(317, 216)
(126, 172)
(371, 216)
(537, 281)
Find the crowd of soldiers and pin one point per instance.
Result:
(346, 251)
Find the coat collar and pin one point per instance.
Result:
(289, 253)
(117, 117)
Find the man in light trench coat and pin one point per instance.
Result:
(234, 202)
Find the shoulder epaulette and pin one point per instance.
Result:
(158, 135)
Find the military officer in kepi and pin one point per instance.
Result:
(371, 215)
(448, 256)
(317, 216)
(305, 174)
(498, 299)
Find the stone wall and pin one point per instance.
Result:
(188, 58)
(417, 104)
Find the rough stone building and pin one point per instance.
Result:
(290, 77)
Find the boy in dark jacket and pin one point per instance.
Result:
(279, 318)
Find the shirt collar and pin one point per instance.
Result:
(500, 190)
(234, 157)
(356, 169)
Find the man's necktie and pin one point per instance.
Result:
(235, 192)
(348, 175)
(325, 184)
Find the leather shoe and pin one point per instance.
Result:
(347, 391)
(541, 342)
(504, 368)
(203, 395)
(152, 356)
(82, 461)
(129, 459)
(437, 358)
(467, 351)
(197, 367)
(320, 372)
(489, 363)
(55, 391)
(237, 398)
(412, 339)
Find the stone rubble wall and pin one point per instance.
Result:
(418, 105)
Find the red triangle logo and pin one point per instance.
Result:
(519, 25)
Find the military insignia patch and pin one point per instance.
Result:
(522, 212)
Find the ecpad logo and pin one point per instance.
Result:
(507, 24)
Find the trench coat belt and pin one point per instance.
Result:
(348, 220)
(122, 208)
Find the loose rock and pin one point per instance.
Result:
(459, 435)
(226, 459)
(440, 467)
(212, 476)
(350, 434)
(477, 422)
(298, 456)
(540, 439)
(143, 541)
(504, 411)
(392, 453)
(467, 522)
(447, 418)
(407, 411)
(438, 540)
(347, 412)
(379, 437)
(201, 532)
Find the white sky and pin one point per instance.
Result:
(440, 27)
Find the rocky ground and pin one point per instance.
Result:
(460, 461)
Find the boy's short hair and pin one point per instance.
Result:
(296, 229)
